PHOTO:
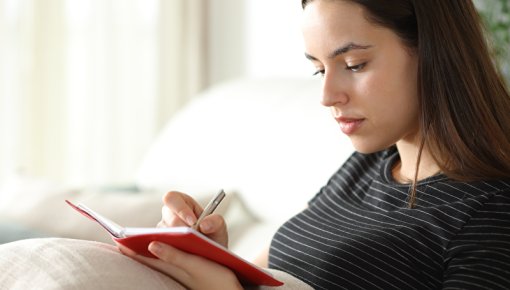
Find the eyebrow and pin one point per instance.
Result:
(341, 50)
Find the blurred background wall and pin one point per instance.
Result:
(86, 85)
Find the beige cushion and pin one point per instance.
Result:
(77, 264)
(74, 264)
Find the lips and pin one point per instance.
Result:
(349, 125)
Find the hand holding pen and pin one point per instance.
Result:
(209, 208)
(181, 209)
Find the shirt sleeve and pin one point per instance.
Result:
(479, 256)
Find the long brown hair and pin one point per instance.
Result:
(464, 101)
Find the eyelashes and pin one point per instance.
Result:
(319, 72)
(352, 68)
(356, 68)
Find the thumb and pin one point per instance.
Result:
(214, 227)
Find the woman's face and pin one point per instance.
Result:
(369, 75)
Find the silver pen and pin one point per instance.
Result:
(209, 208)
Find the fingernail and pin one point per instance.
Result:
(205, 226)
(190, 220)
(155, 247)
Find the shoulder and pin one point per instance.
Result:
(489, 222)
(496, 207)
(490, 206)
(480, 252)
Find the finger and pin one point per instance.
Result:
(161, 224)
(125, 250)
(169, 219)
(170, 255)
(215, 228)
(157, 264)
(211, 224)
(172, 261)
(194, 272)
(182, 205)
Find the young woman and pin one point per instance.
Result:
(425, 200)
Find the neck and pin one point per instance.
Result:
(405, 170)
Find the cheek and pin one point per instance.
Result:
(375, 94)
(389, 103)
(390, 92)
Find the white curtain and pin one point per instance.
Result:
(85, 85)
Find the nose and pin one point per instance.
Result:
(334, 92)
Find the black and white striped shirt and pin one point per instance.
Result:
(358, 233)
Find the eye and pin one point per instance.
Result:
(319, 72)
(356, 68)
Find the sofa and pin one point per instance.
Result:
(267, 142)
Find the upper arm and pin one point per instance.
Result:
(479, 256)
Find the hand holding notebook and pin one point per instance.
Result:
(184, 238)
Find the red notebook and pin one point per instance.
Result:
(185, 239)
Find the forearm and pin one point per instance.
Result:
(262, 259)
